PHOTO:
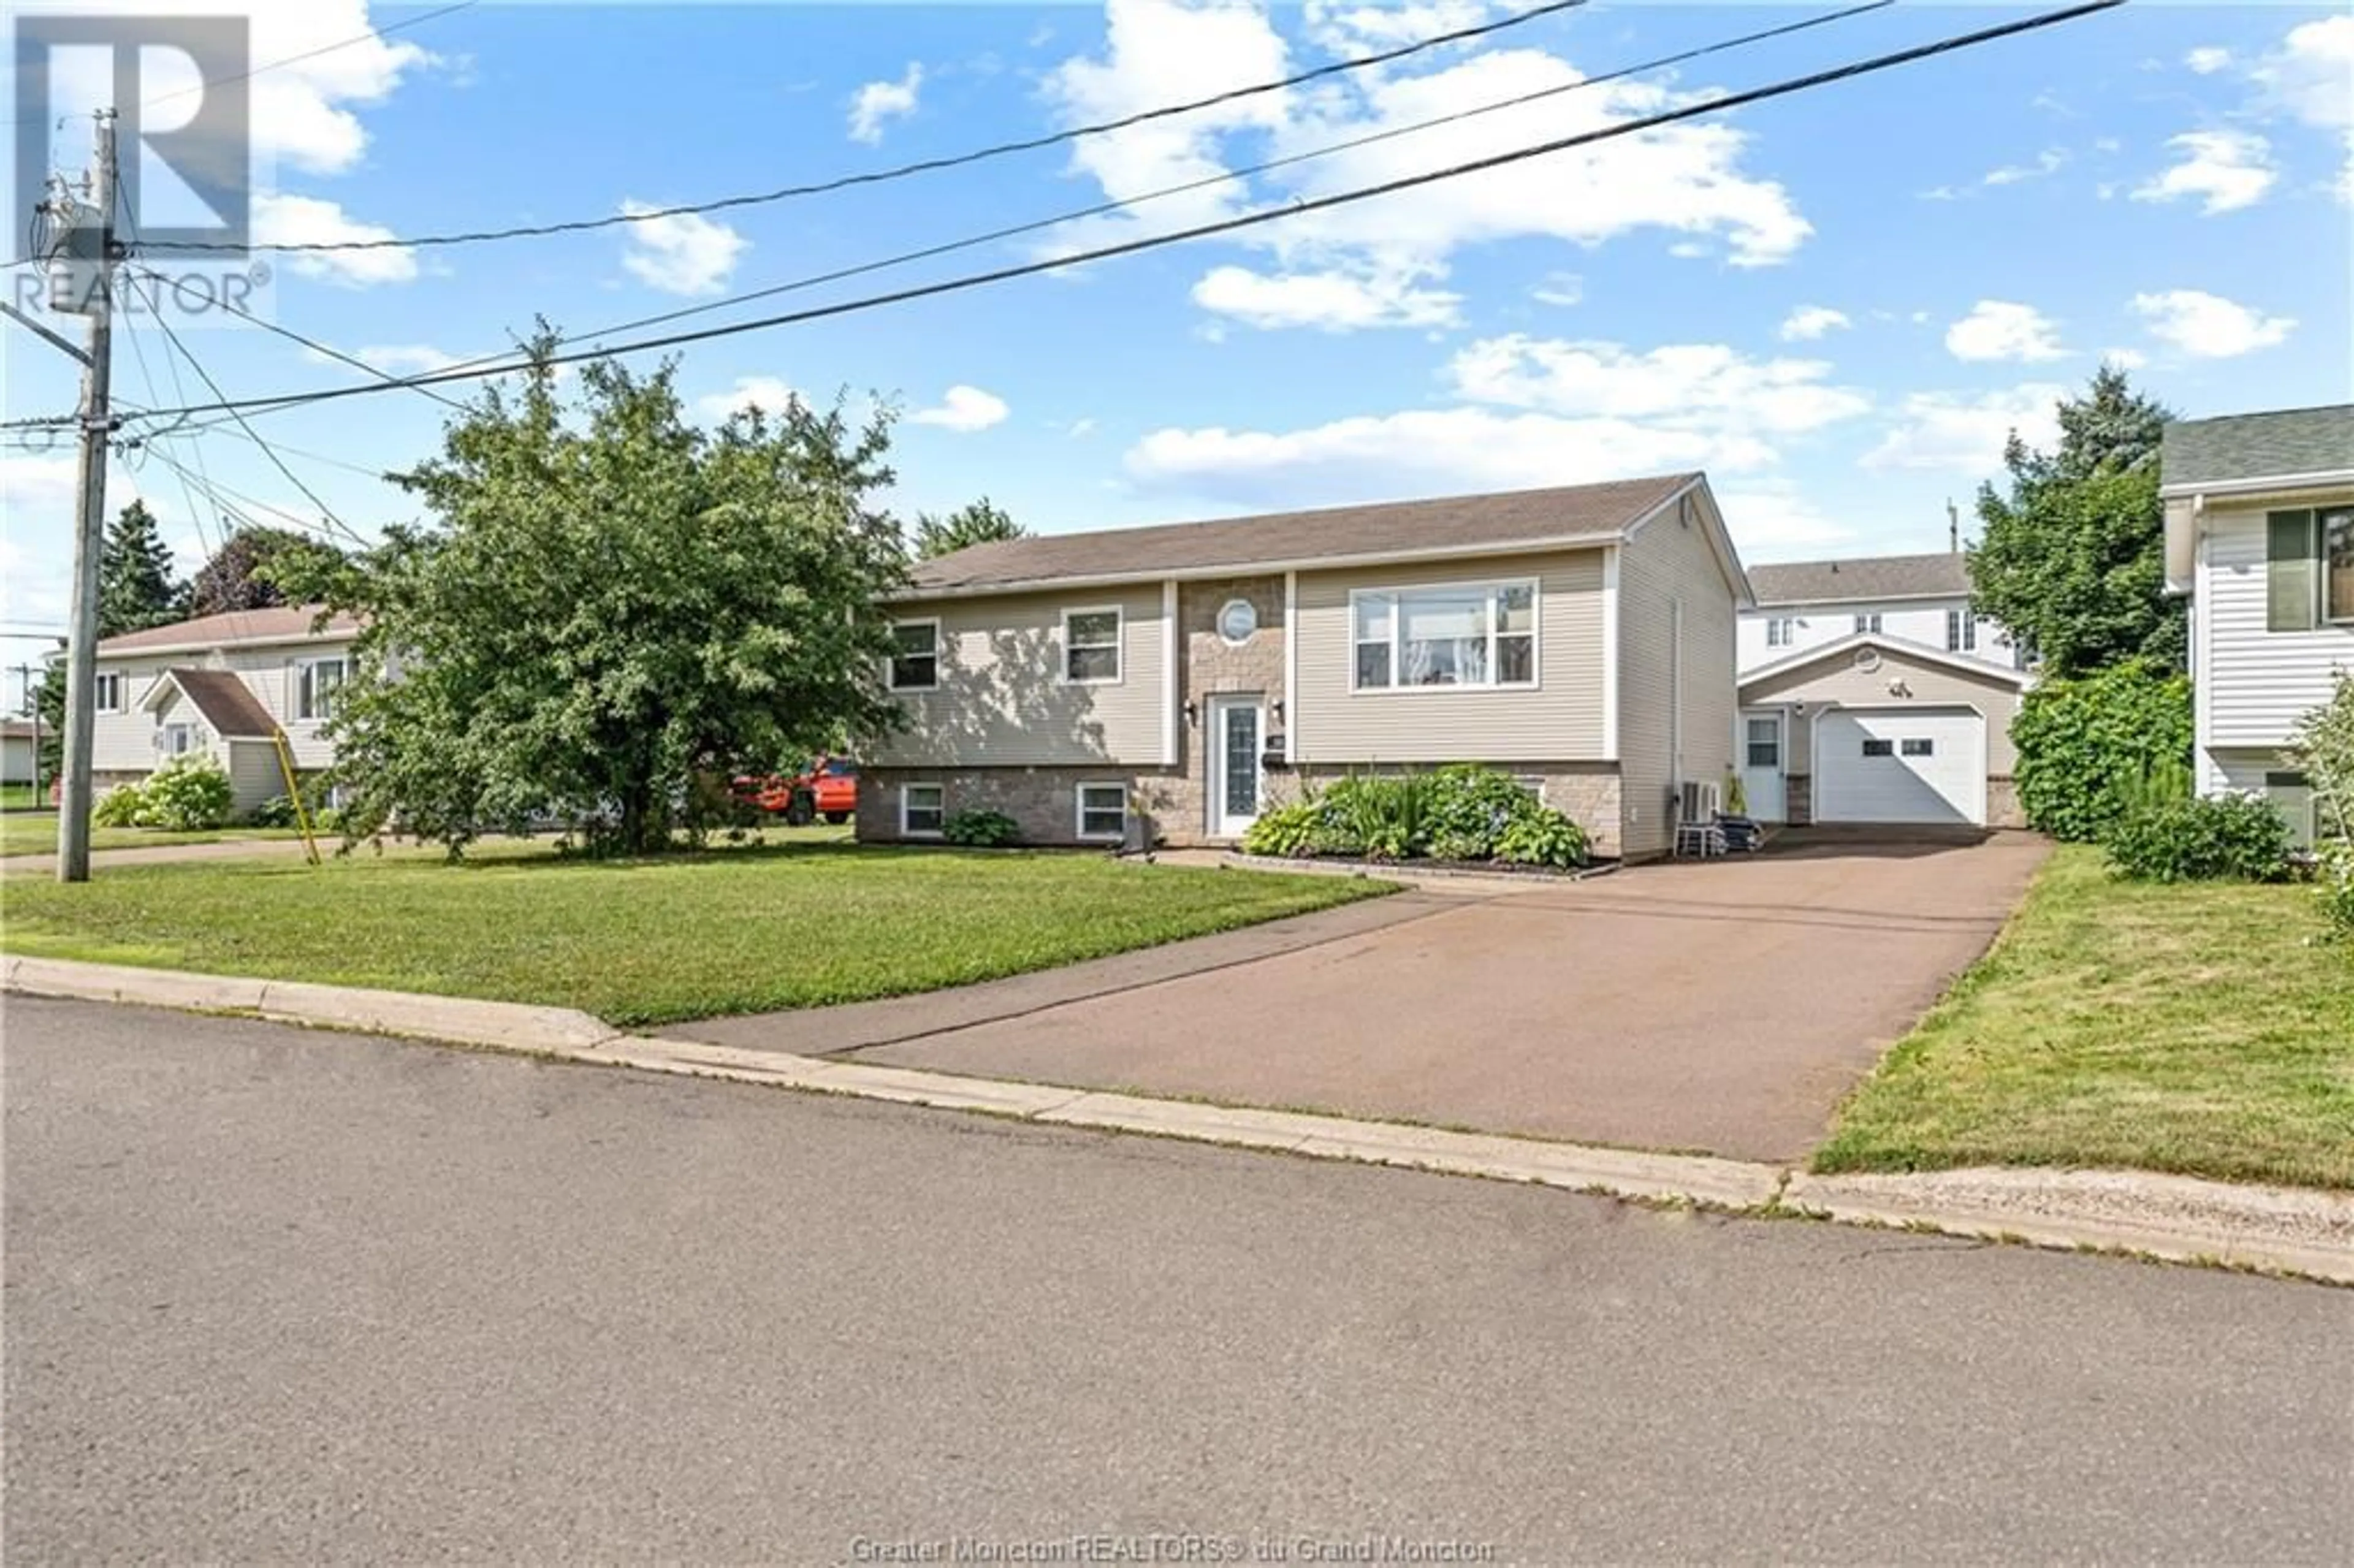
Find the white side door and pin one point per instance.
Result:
(1238, 731)
(1764, 760)
(1900, 765)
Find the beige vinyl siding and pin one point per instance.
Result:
(125, 742)
(1836, 678)
(253, 774)
(1669, 563)
(2255, 684)
(1559, 719)
(1002, 699)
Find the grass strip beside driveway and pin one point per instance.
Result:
(35, 832)
(653, 941)
(2185, 1029)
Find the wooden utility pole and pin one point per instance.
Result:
(90, 524)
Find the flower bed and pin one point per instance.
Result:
(1466, 817)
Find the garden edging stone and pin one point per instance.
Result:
(2177, 1218)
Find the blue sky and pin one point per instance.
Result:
(1837, 304)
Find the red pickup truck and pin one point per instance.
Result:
(829, 790)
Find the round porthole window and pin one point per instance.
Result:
(1867, 660)
(1237, 619)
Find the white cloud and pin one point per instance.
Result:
(1703, 386)
(1962, 432)
(1808, 323)
(963, 409)
(763, 392)
(1688, 180)
(2311, 76)
(282, 220)
(1769, 514)
(1353, 29)
(877, 104)
(2001, 329)
(1419, 452)
(2207, 325)
(1559, 289)
(2228, 169)
(393, 359)
(2048, 161)
(1333, 300)
(1080, 428)
(2124, 358)
(686, 253)
(2208, 61)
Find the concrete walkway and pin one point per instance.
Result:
(1721, 1006)
(165, 854)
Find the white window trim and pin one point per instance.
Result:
(1492, 586)
(1079, 809)
(907, 832)
(891, 660)
(121, 703)
(1869, 622)
(302, 678)
(1781, 630)
(1118, 646)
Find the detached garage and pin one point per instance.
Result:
(1879, 729)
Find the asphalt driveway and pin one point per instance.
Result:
(1722, 1006)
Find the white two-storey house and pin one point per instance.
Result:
(223, 686)
(1873, 691)
(2259, 534)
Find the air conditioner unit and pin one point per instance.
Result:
(1698, 802)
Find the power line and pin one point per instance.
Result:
(1199, 231)
(506, 357)
(924, 166)
(221, 495)
(212, 84)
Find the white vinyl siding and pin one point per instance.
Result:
(1558, 717)
(253, 773)
(1770, 636)
(2255, 684)
(125, 742)
(1834, 682)
(1676, 681)
(1002, 699)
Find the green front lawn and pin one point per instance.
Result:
(650, 941)
(2180, 1028)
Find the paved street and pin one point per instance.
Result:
(296, 1296)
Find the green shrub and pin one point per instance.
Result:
(1543, 837)
(119, 807)
(1470, 808)
(2333, 875)
(278, 811)
(2084, 745)
(2220, 838)
(980, 829)
(2323, 747)
(188, 794)
(1288, 830)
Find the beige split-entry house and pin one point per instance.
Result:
(1581, 639)
(226, 686)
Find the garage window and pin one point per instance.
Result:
(1879, 748)
(1923, 748)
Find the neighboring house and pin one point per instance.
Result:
(16, 757)
(2260, 534)
(1925, 599)
(1873, 691)
(1581, 639)
(223, 686)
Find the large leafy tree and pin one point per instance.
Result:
(611, 605)
(2074, 558)
(252, 568)
(975, 523)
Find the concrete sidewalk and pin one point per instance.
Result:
(166, 854)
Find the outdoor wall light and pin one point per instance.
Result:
(1279, 710)
(1193, 713)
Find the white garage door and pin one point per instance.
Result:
(1900, 765)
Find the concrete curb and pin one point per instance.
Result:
(2269, 1229)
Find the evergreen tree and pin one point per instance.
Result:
(975, 523)
(135, 590)
(2074, 558)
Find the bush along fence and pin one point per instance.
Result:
(1465, 815)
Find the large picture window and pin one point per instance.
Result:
(916, 666)
(1091, 646)
(314, 690)
(1478, 634)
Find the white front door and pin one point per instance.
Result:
(1236, 736)
(1763, 761)
(1900, 765)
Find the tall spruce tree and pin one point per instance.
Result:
(2074, 558)
(135, 588)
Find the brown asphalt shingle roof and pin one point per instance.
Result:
(277, 624)
(227, 705)
(2270, 445)
(1575, 512)
(1860, 578)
